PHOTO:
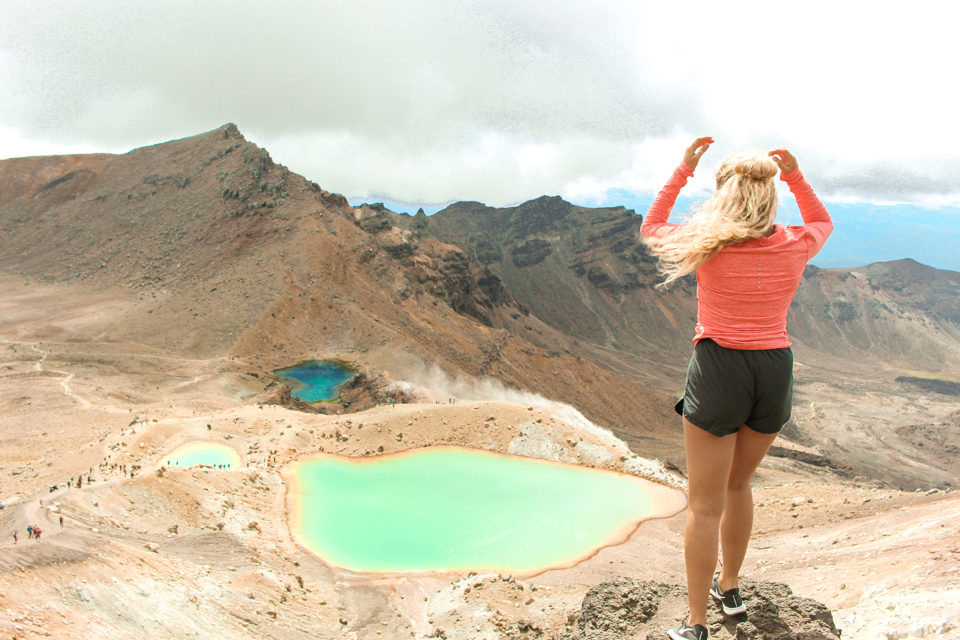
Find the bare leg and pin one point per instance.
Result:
(709, 460)
(737, 521)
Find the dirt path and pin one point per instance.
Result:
(37, 511)
(65, 382)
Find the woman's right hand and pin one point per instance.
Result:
(784, 160)
(691, 157)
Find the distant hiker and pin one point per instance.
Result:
(36, 533)
(61, 522)
(739, 385)
(29, 531)
(14, 536)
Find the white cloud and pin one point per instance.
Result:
(493, 100)
(493, 167)
(14, 145)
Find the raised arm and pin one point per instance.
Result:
(816, 218)
(655, 223)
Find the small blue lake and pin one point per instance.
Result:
(210, 454)
(316, 380)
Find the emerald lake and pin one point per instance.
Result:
(206, 453)
(315, 380)
(445, 508)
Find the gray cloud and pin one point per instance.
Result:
(420, 100)
(892, 182)
(417, 73)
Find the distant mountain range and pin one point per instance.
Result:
(864, 232)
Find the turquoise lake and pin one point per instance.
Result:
(206, 453)
(316, 380)
(443, 509)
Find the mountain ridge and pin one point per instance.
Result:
(227, 253)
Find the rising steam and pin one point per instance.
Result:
(433, 383)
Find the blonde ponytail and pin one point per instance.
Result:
(743, 208)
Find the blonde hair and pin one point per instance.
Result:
(743, 207)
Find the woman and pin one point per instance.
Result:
(740, 379)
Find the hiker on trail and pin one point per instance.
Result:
(739, 385)
(36, 533)
(61, 522)
(15, 536)
(29, 531)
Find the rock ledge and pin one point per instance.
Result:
(625, 609)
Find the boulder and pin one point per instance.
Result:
(624, 609)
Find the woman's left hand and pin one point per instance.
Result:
(691, 157)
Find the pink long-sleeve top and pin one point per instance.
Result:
(744, 292)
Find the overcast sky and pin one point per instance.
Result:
(430, 101)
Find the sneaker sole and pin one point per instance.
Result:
(729, 611)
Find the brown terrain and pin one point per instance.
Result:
(146, 296)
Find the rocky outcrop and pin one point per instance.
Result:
(280, 395)
(624, 609)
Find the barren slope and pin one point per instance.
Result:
(216, 250)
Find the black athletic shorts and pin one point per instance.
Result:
(729, 388)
